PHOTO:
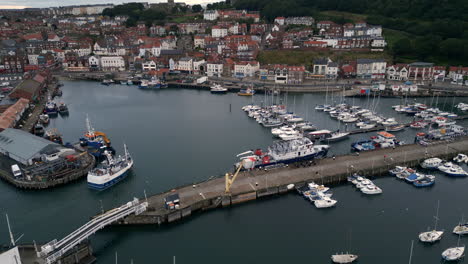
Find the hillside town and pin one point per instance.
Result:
(221, 43)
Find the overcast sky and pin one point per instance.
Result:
(48, 3)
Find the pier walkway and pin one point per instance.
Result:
(55, 249)
(251, 185)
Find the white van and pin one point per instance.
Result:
(16, 171)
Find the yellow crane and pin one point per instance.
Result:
(230, 178)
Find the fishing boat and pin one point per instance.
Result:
(123, 82)
(38, 130)
(143, 84)
(431, 164)
(51, 108)
(129, 82)
(397, 170)
(434, 235)
(44, 119)
(63, 109)
(54, 136)
(452, 170)
(283, 152)
(110, 171)
(246, 92)
(95, 142)
(461, 158)
(218, 89)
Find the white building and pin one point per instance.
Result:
(94, 62)
(32, 58)
(332, 70)
(199, 42)
(148, 65)
(218, 32)
(374, 31)
(82, 51)
(185, 64)
(210, 15)
(199, 66)
(279, 21)
(371, 68)
(397, 73)
(89, 10)
(246, 69)
(214, 69)
(113, 63)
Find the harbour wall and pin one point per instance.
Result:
(260, 184)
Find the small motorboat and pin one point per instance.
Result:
(218, 89)
(246, 92)
(63, 109)
(371, 189)
(344, 258)
(424, 181)
(461, 158)
(320, 107)
(395, 128)
(39, 130)
(336, 136)
(431, 164)
(452, 170)
(325, 202)
(418, 124)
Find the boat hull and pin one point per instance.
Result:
(102, 185)
(320, 154)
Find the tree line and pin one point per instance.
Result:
(430, 29)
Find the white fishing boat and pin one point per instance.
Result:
(433, 235)
(344, 258)
(291, 136)
(461, 158)
(452, 170)
(281, 130)
(432, 163)
(110, 171)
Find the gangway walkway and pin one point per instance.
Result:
(55, 249)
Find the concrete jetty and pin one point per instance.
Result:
(251, 185)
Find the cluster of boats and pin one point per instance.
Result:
(365, 185)
(111, 168)
(319, 195)
(448, 168)
(412, 176)
(381, 140)
(363, 118)
(154, 83)
(277, 115)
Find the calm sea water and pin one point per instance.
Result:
(183, 136)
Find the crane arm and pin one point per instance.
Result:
(230, 180)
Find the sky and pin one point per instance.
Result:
(15, 4)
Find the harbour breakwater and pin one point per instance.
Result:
(257, 184)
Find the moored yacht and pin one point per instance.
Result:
(432, 163)
(452, 170)
(344, 258)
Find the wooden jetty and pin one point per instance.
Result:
(252, 185)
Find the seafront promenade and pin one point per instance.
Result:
(251, 185)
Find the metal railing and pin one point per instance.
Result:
(55, 249)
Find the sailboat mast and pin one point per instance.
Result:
(411, 252)
(12, 239)
(437, 215)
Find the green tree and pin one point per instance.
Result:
(402, 47)
(197, 8)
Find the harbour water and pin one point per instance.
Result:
(178, 137)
